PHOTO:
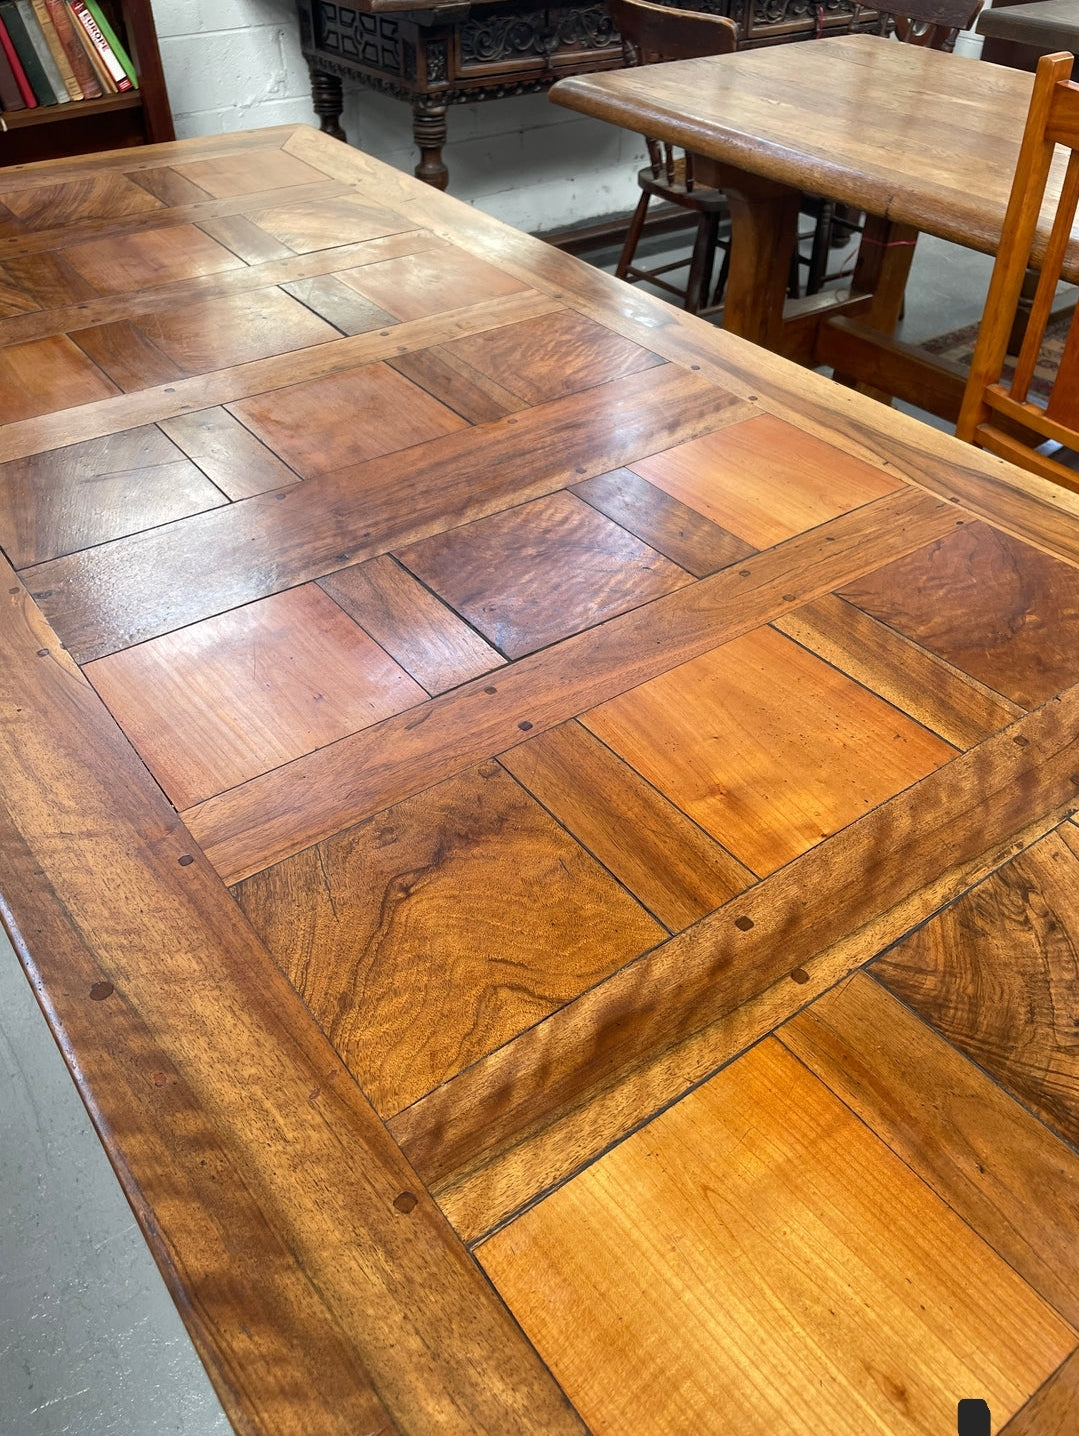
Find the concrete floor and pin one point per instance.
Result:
(90, 1343)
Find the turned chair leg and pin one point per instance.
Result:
(633, 236)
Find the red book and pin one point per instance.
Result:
(72, 46)
(17, 70)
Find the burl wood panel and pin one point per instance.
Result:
(995, 607)
(756, 1260)
(212, 705)
(433, 933)
(765, 746)
(531, 575)
(998, 974)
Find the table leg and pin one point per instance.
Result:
(328, 99)
(885, 256)
(429, 131)
(764, 227)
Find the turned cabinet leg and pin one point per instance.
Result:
(429, 132)
(328, 100)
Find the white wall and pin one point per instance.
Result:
(236, 64)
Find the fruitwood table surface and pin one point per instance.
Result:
(921, 140)
(543, 831)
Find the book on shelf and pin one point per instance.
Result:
(110, 35)
(10, 94)
(84, 72)
(37, 38)
(100, 51)
(12, 21)
(52, 40)
(56, 51)
(29, 100)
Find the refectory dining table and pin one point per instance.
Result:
(543, 831)
(920, 140)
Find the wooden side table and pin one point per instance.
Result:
(456, 52)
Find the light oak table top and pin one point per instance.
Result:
(542, 830)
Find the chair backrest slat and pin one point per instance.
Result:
(652, 33)
(1053, 117)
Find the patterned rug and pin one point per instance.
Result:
(958, 348)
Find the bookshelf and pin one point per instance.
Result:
(139, 117)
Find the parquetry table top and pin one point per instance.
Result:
(544, 832)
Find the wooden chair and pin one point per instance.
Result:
(933, 24)
(995, 414)
(653, 33)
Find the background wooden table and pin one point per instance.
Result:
(920, 140)
(502, 783)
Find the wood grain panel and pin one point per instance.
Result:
(127, 356)
(249, 173)
(228, 453)
(243, 380)
(1013, 613)
(766, 747)
(425, 637)
(557, 355)
(419, 284)
(112, 598)
(531, 575)
(686, 537)
(396, 415)
(49, 278)
(946, 701)
(234, 329)
(46, 375)
(71, 498)
(339, 305)
(1051, 1410)
(679, 1004)
(243, 236)
(665, 860)
(299, 804)
(217, 702)
(102, 196)
(765, 481)
(328, 223)
(756, 1260)
(438, 930)
(469, 393)
(149, 257)
(313, 1299)
(171, 188)
(1006, 1175)
(14, 298)
(998, 974)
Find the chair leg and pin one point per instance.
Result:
(700, 268)
(724, 274)
(822, 240)
(633, 236)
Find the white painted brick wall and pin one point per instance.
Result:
(236, 65)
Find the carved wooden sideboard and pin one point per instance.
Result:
(455, 52)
